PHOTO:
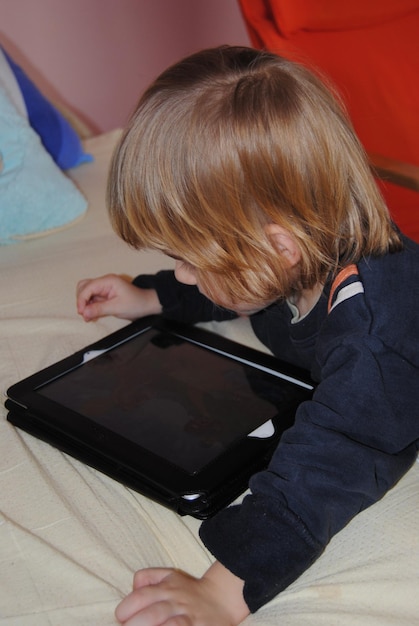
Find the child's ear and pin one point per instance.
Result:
(284, 243)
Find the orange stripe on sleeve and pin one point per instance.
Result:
(350, 270)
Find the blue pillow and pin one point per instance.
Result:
(56, 133)
(36, 197)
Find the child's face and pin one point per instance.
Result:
(188, 275)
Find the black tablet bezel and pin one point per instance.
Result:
(199, 494)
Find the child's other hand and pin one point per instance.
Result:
(114, 295)
(166, 597)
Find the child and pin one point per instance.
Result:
(242, 166)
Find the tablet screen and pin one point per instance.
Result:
(176, 399)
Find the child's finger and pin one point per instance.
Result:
(150, 576)
(92, 290)
(146, 599)
(97, 308)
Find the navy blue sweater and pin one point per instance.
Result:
(350, 444)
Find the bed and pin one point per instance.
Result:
(71, 538)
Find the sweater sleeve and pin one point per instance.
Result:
(350, 444)
(183, 303)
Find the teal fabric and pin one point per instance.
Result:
(35, 195)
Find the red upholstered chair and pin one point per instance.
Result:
(370, 51)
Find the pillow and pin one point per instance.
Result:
(56, 133)
(9, 83)
(294, 15)
(36, 197)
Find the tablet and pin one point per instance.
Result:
(172, 411)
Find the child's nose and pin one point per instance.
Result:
(185, 273)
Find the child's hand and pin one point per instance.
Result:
(114, 295)
(166, 597)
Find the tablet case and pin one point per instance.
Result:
(200, 494)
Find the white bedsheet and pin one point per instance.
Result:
(71, 538)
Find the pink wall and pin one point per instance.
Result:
(98, 55)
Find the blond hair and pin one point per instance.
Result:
(229, 140)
